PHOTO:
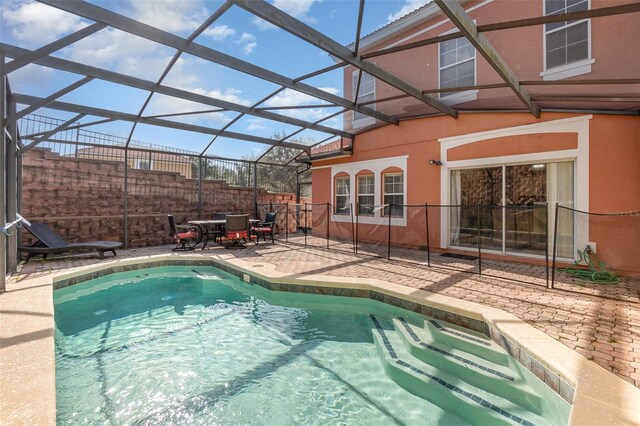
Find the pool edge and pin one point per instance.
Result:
(600, 396)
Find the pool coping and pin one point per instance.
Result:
(27, 367)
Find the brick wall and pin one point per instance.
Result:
(82, 199)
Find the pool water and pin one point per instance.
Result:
(197, 346)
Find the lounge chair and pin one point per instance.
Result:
(49, 242)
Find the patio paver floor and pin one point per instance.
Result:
(601, 322)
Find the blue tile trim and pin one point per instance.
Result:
(439, 326)
(466, 361)
(385, 340)
(475, 398)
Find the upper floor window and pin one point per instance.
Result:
(457, 64)
(342, 192)
(393, 193)
(366, 194)
(566, 42)
(366, 93)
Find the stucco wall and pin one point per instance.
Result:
(521, 48)
(613, 173)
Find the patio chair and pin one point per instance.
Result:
(217, 231)
(237, 227)
(265, 228)
(48, 242)
(187, 239)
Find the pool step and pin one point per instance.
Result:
(445, 389)
(481, 373)
(467, 340)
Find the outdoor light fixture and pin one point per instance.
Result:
(435, 162)
(537, 166)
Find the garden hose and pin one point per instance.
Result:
(596, 271)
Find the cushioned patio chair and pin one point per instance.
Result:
(237, 227)
(265, 228)
(48, 242)
(186, 236)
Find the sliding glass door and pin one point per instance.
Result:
(479, 194)
(504, 206)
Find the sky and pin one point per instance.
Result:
(30, 25)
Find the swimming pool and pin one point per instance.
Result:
(195, 345)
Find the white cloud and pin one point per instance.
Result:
(408, 7)
(248, 42)
(256, 124)
(29, 77)
(118, 51)
(170, 15)
(297, 8)
(37, 24)
(249, 48)
(246, 37)
(262, 24)
(219, 32)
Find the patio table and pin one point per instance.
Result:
(204, 225)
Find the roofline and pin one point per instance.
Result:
(411, 19)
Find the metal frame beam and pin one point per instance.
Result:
(311, 106)
(86, 110)
(74, 67)
(12, 182)
(4, 138)
(178, 114)
(356, 46)
(292, 25)
(321, 71)
(594, 82)
(123, 23)
(65, 41)
(588, 98)
(465, 24)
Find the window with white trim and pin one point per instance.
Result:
(342, 195)
(366, 93)
(566, 42)
(457, 64)
(393, 193)
(366, 190)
